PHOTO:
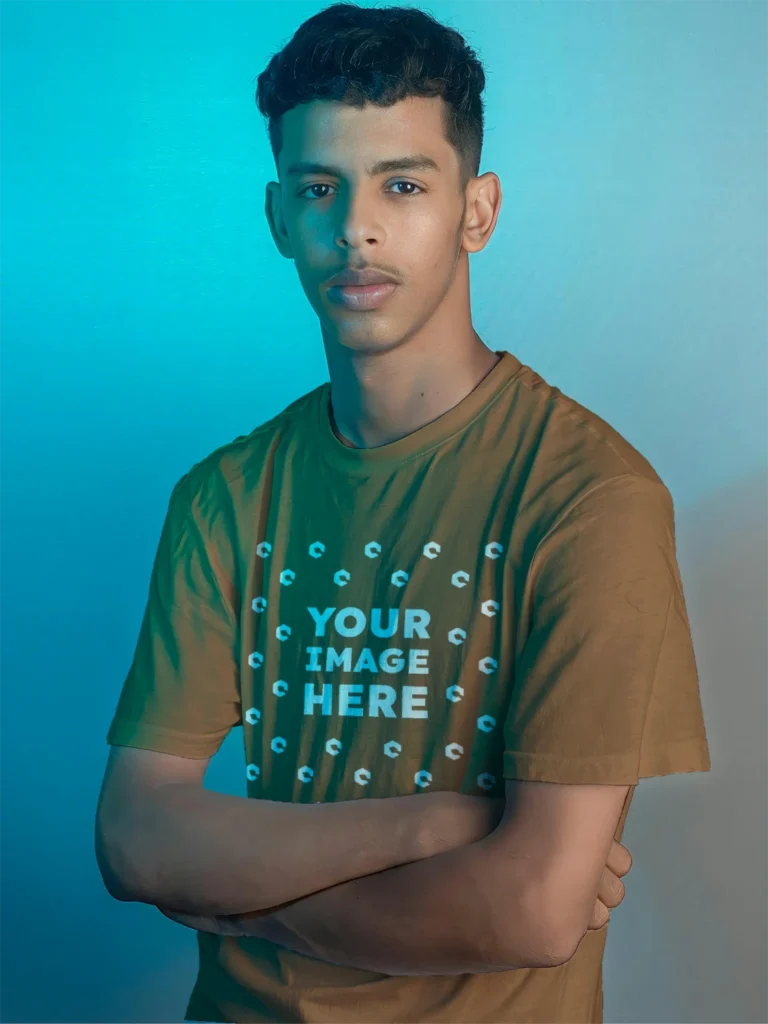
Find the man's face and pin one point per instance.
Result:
(406, 223)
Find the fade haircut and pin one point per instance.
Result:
(358, 55)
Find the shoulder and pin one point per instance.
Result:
(568, 429)
(225, 467)
(567, 459)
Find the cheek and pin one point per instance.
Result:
(430, 252)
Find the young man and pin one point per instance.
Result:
(435, 573)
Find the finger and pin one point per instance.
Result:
(600, 916)
(619, 859)
(611, 889)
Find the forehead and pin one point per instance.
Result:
(331, 136)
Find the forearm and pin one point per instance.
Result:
(434, 916)
(206, 853)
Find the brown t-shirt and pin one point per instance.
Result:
(495, 596)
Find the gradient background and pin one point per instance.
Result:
(147, 318)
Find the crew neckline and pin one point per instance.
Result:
(389, 456)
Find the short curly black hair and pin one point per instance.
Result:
(360, 55)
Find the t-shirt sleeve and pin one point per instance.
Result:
(606, 689)
(182, 694)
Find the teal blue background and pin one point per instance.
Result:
(147, 318)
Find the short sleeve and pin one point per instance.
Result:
(606, 689)
(182, 695)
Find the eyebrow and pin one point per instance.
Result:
(414, 162)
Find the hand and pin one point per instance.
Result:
(471, 818)
(611, 890)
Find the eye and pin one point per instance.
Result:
(402, 195)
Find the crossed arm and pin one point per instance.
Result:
(440, 915)
(521, 897)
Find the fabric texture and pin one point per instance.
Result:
(494, 596)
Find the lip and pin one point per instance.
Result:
(362, 297)
(356, 277)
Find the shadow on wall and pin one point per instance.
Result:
(689, 942)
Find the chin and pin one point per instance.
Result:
(363, 343)
(363, 338)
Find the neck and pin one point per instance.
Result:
(380, 399)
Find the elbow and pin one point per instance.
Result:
(535, 927)
(109, 860)
(117, 889)
(123, 895)
(557, 939)
(535, 951)
(555, 949)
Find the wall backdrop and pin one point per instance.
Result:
(147, 319)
